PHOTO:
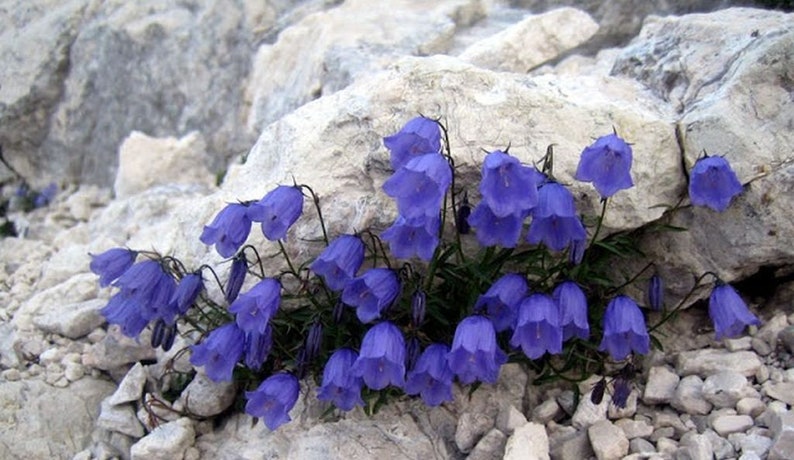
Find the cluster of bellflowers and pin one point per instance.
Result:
(362, 320)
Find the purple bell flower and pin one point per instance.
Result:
(431, 378)
(273, 399)
(188, 289)
(572, 304)
(507, 187)
(236, 277)
(493, 230)
(277, 211)
(729, 312)
(219, 352)
(576, 251)
(607, 164)
(713, 183)
(420, 185)
(501, 301)
(257, 347)
(554, 220)
(420, 136)
(229, 230)
(254, 308)
(538, 328)
(152, 288)
(111, 264)
(381, 361)
(340, 261)
(371, 293)
(126, 311)
(46, 196)
(413, 237)
(624, 329)
(474, 354)
(339, 385)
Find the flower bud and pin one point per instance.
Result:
(236, 277)
(655, 292)
(314, 340)
(418, 306)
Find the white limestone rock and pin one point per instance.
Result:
(688, 396)
(490, 447)
(131, 386)
(726, 388)
(609, 441)
(72, 320)
(710, 361)
(533, 41)
(146, 161)
(528, 442)
(206, 398)
(166, 442)
(661, 385)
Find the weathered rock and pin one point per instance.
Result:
(751, 443)
(641, 446)
(121, 419)
(131, 386)
(166, 442)
(532, 41)
(588, 413)
(206, 398)
(634, 428)
(73, 320)
(509, 418)
(661, 385)
(750, 406)
(528, 442)
(782, 427)
(710, 361)
(145, 162)
(39, 421)
(688, 396)
(490, 447)
(572, 446)
(727, 424)
(782, 391)
(116, 350)
(608, 441)
(78, 288)
(695, 447)
(786, 336)
(726, 388)
(546, 411)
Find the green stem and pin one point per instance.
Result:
(316, 201)
(600, 220)
(286, 257)
(672, 312)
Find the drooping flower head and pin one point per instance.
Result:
(420, 136)
(713, 183)
(474, 354)
(188, 289)
(576, 251)
(340, 261)
(126, 311)
(236, 277)
(339, 385)
(655, 292)
(507, 186)
(413, 237)
(431, 377)
(229, 230)
(554, 219)
(219, 352)
(381, 361)
(538, 327)
(46, 196)
(257, 347)
(277, 211)
(371, 293)
(420, 185)
(151, 288)
(496, 231)
(607, 164)
(111, 264)
(729, 312)
(624, 329)
(273, 399)
(253, 309)
(573, 310)
(500, 303)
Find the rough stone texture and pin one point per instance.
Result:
(783, 431)
(72, 320)
(726, 388)
(78, 288)
(206, 398)
(532, 41)
(528, 442)
(661, 385)
(121, 419)
(695, 446)
(782, 391)
(116, 350)
(786, 336)
(146, 161)
(572, 446)
(131, 387)
(710, 361)
(634, 428)
(39, 421)
(608, 441)
(490, 447)
(727, 424)
(166, 442)
(689, 396)
(588, 413)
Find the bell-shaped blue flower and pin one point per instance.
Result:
(237, 274)
(713, 183)
(188, 289)
(624, 329)
(576, 251)
(381, 361)
(152, 288)
(340, 261)
(253, 309)
(413, 237)
(219, 352)
(277, 211)
(474, 354)
(229, 230)
(420, 185)
(371, 293)
(572, 303)
(420, 136)
(493, 230)
(126, 311)
(431, 377)
(554, 220)
(538, 328)
(257, 347)
(339, 385)
(729, 312)
(501, 301)
(273, 399)
(655, 292)
(607, 164)
(507, 186)
(111, 264)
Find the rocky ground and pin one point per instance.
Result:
(317, 84)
